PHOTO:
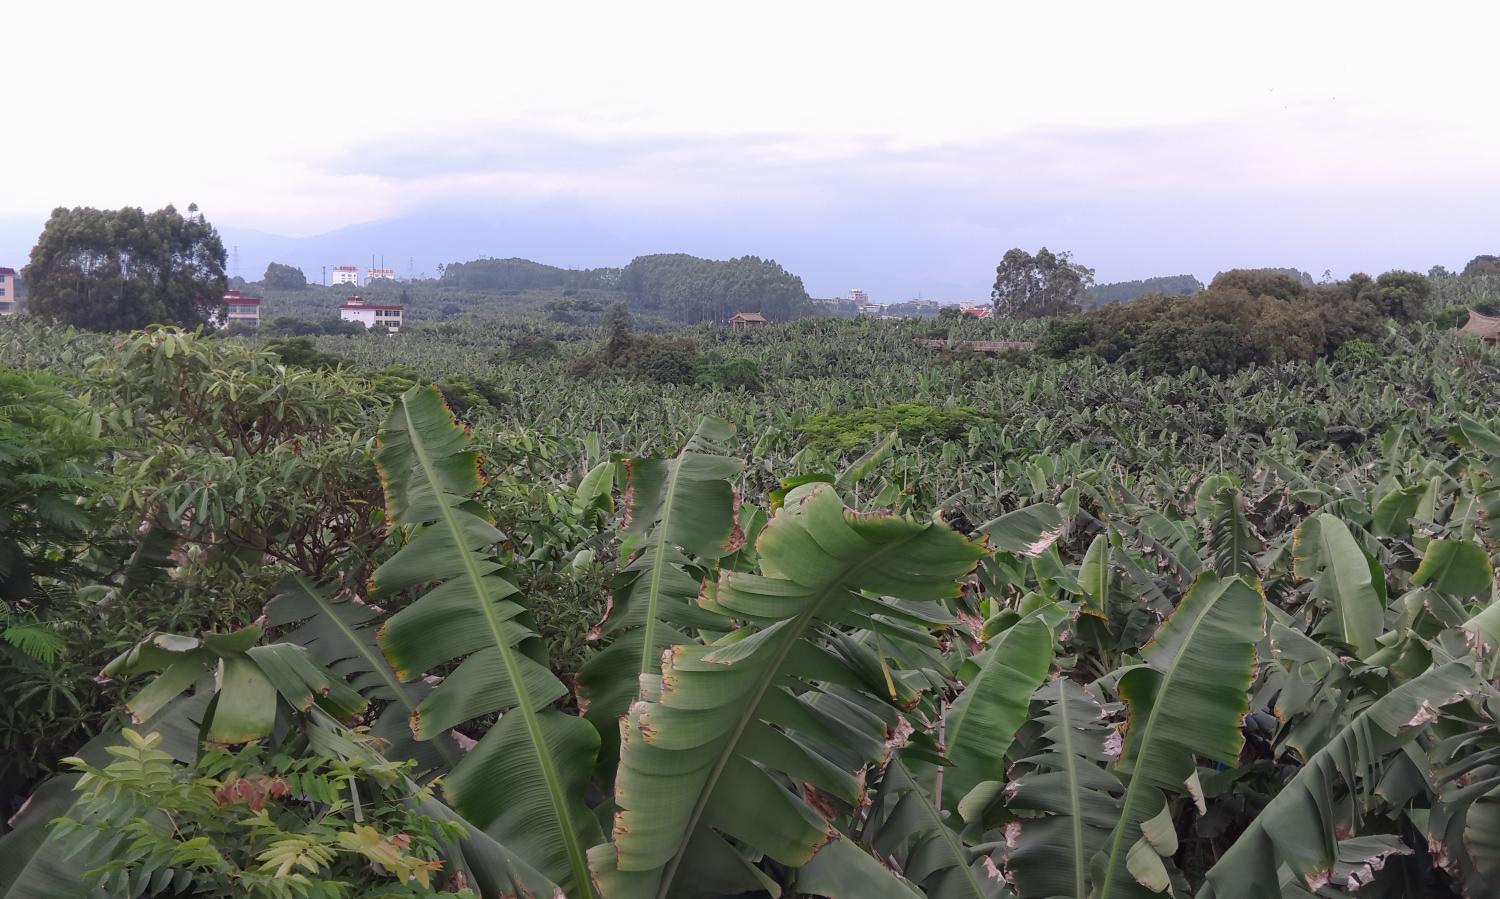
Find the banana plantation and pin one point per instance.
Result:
(890, 622)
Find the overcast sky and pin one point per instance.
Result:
(1148, 137)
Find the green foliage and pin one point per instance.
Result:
(915, 423)
(523, 274)
(251, 823)
(1246, 317)
(284, 277)
(1014, 649)
(116, 270)
(691, 289)
(1125, 291)
(1046, 284)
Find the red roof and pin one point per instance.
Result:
(233, 296)
(7, 271)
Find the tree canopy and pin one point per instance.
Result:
(692, 289)
(117, 270)
(284, 277)
(523, 274)
(1483, 265)
(1125, 291)
(1048, 283)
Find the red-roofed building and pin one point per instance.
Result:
(241, 309)
(355, 309)
(8, 304)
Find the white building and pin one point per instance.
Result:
(380, 274)
(242, 309)
(875, 310)
(355, 309)
(858, 297)
(8, 304)
(346, 274)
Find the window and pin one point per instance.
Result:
(2, 291)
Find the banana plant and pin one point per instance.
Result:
(682, 511)
(742, 738)
(524, 782)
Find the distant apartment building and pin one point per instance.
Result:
(355, 309)
(242, 309)
(8, 302)
(874, 310)
(346, 274)
(379, 274)
(858, 297)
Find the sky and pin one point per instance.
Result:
(897, 147)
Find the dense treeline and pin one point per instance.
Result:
(1125, 291)
(690, 289)
(1245, 317)
(523, 274)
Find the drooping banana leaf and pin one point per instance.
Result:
(685, 509)
(701, 746)
(983, 720)
(904, 825)
(1232, 543)
(1325, 550)
(1189, 699)
(1297, 827)
(524, 782)
(339, 633)
(1070, 801)
(248, 679)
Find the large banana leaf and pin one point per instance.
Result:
(1189, 699)
(1070, 801)
(524, 782)
(340, 634)
(705, 748)
(905, 826)
(980, 725)
(1346, 576)
(684, 508)
(248, 678)
(1297, 827)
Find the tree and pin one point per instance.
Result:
(284, 277)
(120, 270)
(1048, 283)
(1483, 265)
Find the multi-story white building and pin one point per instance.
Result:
(241, 309)
(858, 297)
(380, 274)
(8, 302)
(355, 309)
(346, 274)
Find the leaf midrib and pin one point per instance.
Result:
(378, 664)
(513, 669)
(937, 821)
(658, 568)
(1132, 791)
(793, 635)
(1074, 798)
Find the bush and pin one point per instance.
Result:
(738, 373)
(915, 422)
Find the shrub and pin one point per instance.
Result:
(915, 422)
(715, 370)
